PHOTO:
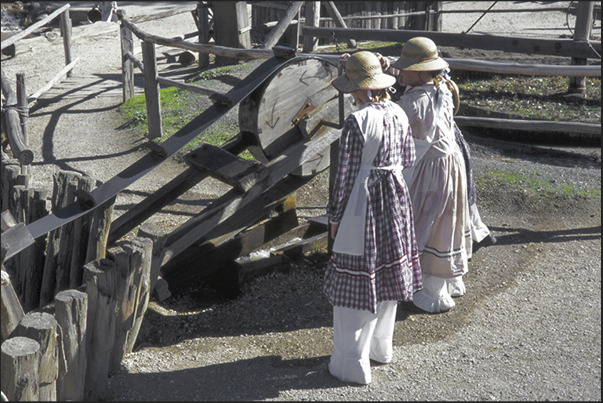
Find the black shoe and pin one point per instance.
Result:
(487, 241)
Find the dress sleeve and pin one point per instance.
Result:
(350, 157)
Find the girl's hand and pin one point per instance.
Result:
(334, 228)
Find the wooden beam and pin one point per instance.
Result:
(524, 69)
(283, 23)
(339, 22)
(534, 46)
(201, 48)
(529, 125)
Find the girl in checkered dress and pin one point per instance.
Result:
(375, 259)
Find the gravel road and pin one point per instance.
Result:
(529, 327)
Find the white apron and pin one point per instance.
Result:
(350, 235)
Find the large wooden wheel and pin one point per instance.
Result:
(287, 107)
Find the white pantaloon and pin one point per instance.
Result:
(361, 336)
(479, 230)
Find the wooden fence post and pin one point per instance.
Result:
(100, 334)
(203, 18)
(275, 34)
(71, 311)
(130, 260)
(584, 19)
(11, 309)
(66, 33)
(313, 20)
(42, 327)
(127, 66)
(23, 106)
(19, 369)
(99, 231)
(151, 90)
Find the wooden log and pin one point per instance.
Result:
(584, 19)
(71, 311)
(151, 90)
(231, 22)
(529, 125)
(33, 99)
(524, 69)
(277, 32)
(11, 310)
(20, 363)
(312, 21)
(535, 46)
(158, 237)
(128, 260)
(338, 20)
(142, 280)
(99, 231)
(66, 33)
(23, 107)
(43, 328)
(203, 17)
(13, 124)
(201, 48)
(32, 258)
(127, 66)
(99, 277)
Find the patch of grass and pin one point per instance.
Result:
(544, 98)
(534, 184)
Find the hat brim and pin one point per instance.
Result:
(427, 65)
(345, 85)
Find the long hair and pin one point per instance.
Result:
(378, 95)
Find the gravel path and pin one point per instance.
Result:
(529, 327)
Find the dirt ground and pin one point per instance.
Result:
(535, 292)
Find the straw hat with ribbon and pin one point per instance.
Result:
(363, 71)
(420, 54)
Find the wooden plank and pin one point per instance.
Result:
(226, 167)
(151, 91)
(533, 46)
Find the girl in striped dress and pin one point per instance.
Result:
(375, 260)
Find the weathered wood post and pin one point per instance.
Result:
(127, 66)
(100, 334)
(313, 20)
(203, 18)
(71, 312)
(99, 231)
(584, 19)
(13, 124)
(338, 20)
(66, 33)
(131, 259)
(159, 238)
(23, 106)
(152, 93)
(43, 328)
(10, 309)
(283, 23)
(61, 257)
(231, 24)
(19, 369)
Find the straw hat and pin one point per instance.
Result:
(363, 71)
(420, 54)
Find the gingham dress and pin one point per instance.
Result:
(389, 268)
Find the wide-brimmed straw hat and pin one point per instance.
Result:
(420, 54)
(363, 71)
